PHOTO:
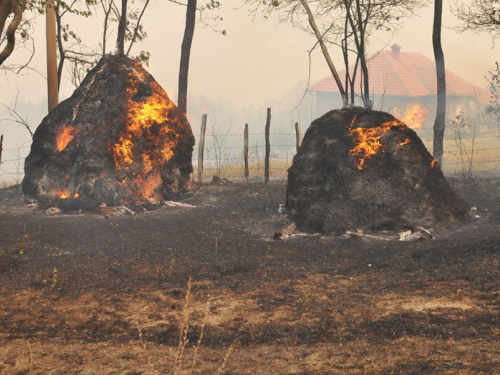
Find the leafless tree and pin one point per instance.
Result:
(348, 24)
(16, 117)
(191, 10)
(493, 78)
(478, 16)
(185, 55)
(11, 14)
(482, 16)
(50, 36)
(120, 39)
(82, 57)
(440, 121)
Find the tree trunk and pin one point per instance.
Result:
(245, 153)
(329, 61)
(268, 147)
(362, 55)
(6, 8)
(1, 148)
(185, 54)
(201, 148)
(52, 85)
(353, 80)
(439, 123)
(60, 47)
(345, 52)
(122, 27)
(105, 28)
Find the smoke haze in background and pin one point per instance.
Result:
(234, 78)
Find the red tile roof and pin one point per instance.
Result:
(405, 73)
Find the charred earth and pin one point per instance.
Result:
(363, 169)
(118, 139)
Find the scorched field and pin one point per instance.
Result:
(207, 290)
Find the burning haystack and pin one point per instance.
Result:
(363, 169)
(118, 139)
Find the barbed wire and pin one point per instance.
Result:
(16, 148)
(275, 155)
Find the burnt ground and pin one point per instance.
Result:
(305, 305)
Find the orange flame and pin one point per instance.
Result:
(65, 135)
(148, 185)
(368, 141)
(433, 163)
(64, 194)
(352, 122)
(142, 122)
(123, 152)
(146, 160)
(405, 142)
(413, 117)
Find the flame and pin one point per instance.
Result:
(368, 144)
(123, 152)
(65, 135)
(413, 117)
(405, 142)
(352, 122)
(146, 160)
(368, 141)
(143, 118)
(433, 163)
(63, 194)
(148, 185)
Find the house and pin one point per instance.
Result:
(400, 80)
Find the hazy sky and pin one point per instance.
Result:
(256, 62)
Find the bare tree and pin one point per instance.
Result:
(52, 79)
(483, 16)
(493, 79)
(324, 49)
(64, 33)
(347, 24)
(14, 9)
(122, 26)
(440, 122)
(16, 117)
(478, 16)
(185, 55)
(186, 46)
(82, 57)
(361, 19)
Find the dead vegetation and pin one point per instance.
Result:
(96, 295)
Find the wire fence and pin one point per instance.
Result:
(466, 155)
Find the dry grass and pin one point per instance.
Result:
(479, 153)
(6, 182)
(483, 150)
(236, 172)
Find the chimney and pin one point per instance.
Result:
(395, 50)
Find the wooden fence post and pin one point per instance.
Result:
(201, 147)
(1, 148)
(297, 135)
(268, 147)
(245, 153)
